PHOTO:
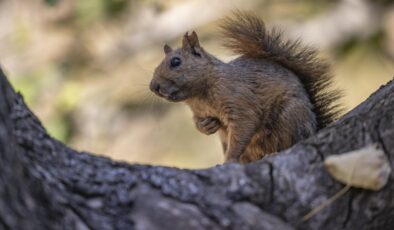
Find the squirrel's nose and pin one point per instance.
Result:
(154, 86)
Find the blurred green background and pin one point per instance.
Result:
(84, 66)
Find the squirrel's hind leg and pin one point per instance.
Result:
(239, 137)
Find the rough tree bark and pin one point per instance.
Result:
(46, 185)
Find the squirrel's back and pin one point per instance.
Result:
(246, 34)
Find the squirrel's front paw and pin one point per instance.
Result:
(208, 125)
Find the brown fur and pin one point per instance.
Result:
(272, 96)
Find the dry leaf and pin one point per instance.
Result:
(366, 168)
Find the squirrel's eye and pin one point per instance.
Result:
(175, 61)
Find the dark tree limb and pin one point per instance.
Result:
(46, 185)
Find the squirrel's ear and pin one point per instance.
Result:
(193, 38)
(191, 44)
(167, 49)
(185, 42)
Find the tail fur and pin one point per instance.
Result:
(245, 34)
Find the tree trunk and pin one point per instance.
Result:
(46, 185)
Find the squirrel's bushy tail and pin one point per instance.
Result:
(245, 34)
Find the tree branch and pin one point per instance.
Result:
(46, 185)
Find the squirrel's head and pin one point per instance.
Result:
(181, 73)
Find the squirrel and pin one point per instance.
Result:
(276, 93)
